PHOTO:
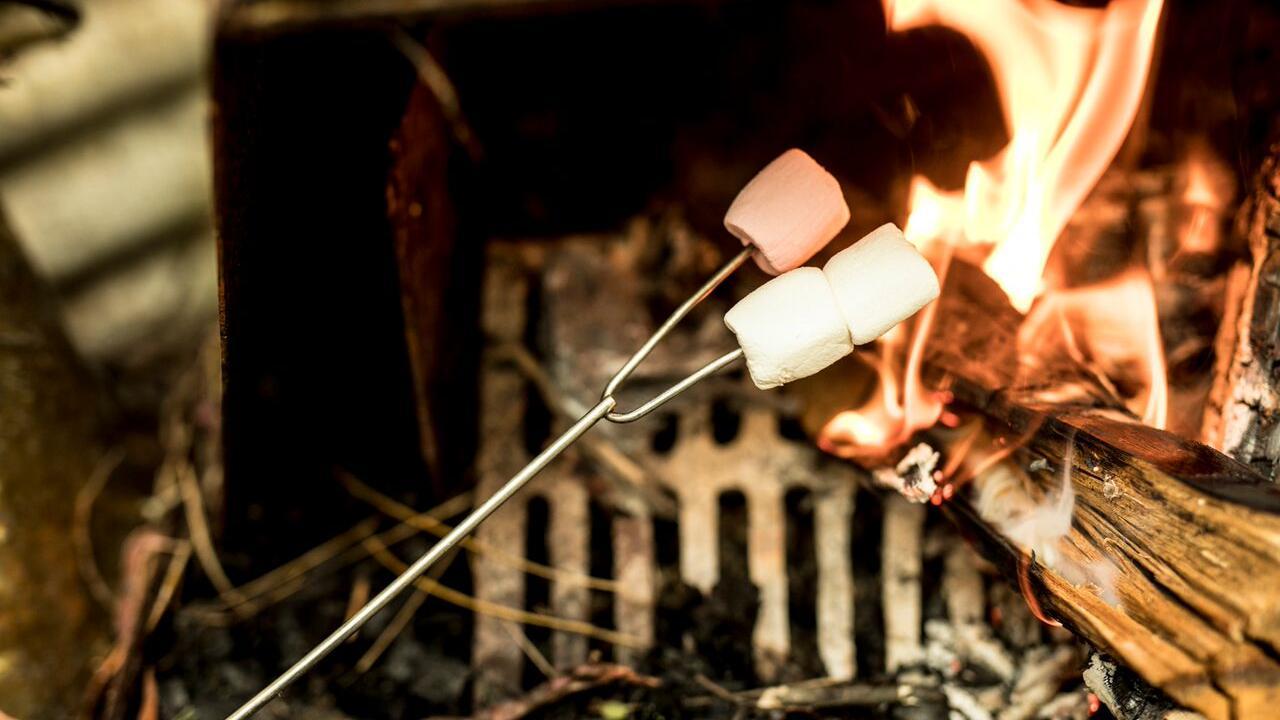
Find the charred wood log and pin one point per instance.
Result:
(1186, 540)
(1126, 695)
(1243, 414)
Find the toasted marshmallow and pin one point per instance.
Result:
(788, 211)
(789, 328)
(880, 281)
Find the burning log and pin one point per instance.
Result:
(1244, 406)
(1180, 545)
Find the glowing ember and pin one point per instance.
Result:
(1206, 193)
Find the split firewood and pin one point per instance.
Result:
(1242, 416)
(1185, 541)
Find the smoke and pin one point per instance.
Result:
(1039, 522)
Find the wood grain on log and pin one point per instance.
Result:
(1191, 535)
(1243, 414)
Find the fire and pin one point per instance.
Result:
(1070, 80)
(1206, 192)
(902, 405)
(1123, 349)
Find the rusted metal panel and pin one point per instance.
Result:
(50, 626)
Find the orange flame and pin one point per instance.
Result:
(1084, 325)
(902, 405)
(1070, 81)
(1205, 194)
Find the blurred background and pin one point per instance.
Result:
(108, 291)
(106, 180)
(416, 201)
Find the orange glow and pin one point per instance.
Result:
(1070, 81)
(1200, 188)
(1206, 192)
(902, 404)
(1110, 328)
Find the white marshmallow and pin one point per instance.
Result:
(788, 212)
(789, 328)
(880, 281)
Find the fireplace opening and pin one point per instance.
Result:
(1050, 494)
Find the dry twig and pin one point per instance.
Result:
(582, 679)
(391, 632)
(433, 526)
(298, 567)
(180, 554)
(378, 548)
(198, 527)
(401, 619)
(338, 552)
(82, 528)
(530, 650)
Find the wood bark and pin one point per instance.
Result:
(1243, 414)
(1192, 536)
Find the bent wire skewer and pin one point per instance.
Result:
(792, 326)
(603, 410)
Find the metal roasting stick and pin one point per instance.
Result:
(634, 361)
(603, 410)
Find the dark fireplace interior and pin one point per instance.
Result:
(442, 229)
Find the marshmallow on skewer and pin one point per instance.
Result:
(788, 211)
(880, 281)
(802, 321)
(789, 328)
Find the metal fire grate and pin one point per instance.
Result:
(535, 298)
(559, 317)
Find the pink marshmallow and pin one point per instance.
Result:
(788, 211)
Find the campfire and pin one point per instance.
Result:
(1049, 493)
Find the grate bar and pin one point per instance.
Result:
(634, 563)
(832, 518)
(900, 563)
(569, 544)
(498, 661)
